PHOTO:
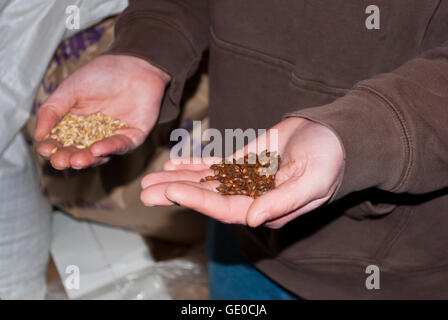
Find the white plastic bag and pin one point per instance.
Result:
(30, 31)
(24, 226)
(112, 263)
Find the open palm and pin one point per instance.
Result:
(123, 87)
(310, 171)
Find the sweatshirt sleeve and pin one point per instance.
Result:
(393, 128)
(169, 34)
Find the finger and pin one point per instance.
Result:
(280, 222)
(287, 197)
(61, 159)
(228, 209)
(47, 118)
(136, 135)
(156, 193)
(292, 168)
(83, 158)
(53, 110)
(116, 144)
(75, 158)
(48, 147)
(101, 161)
(171, 176)
(288, 174)
(190, 163)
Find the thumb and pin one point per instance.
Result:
(292, 191)
(53, 110)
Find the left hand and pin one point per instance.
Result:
(310, 171)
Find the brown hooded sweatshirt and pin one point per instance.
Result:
(384, 92)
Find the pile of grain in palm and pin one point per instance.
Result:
(82, 131)
(251, 176)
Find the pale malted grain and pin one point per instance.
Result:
(82, 131)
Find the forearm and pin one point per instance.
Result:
(394, 128)
(170, 35)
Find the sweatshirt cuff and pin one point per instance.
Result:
(163, 46)
(373, 138)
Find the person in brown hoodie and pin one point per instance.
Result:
(361, 105)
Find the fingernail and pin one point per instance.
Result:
(77, 166)
(149, 205)
(262, 218)
(169, 167)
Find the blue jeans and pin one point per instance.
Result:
(231, 275)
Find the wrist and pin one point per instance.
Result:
(132, 61)
(163, 75)
(370, 138)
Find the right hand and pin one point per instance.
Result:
(123, 87)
